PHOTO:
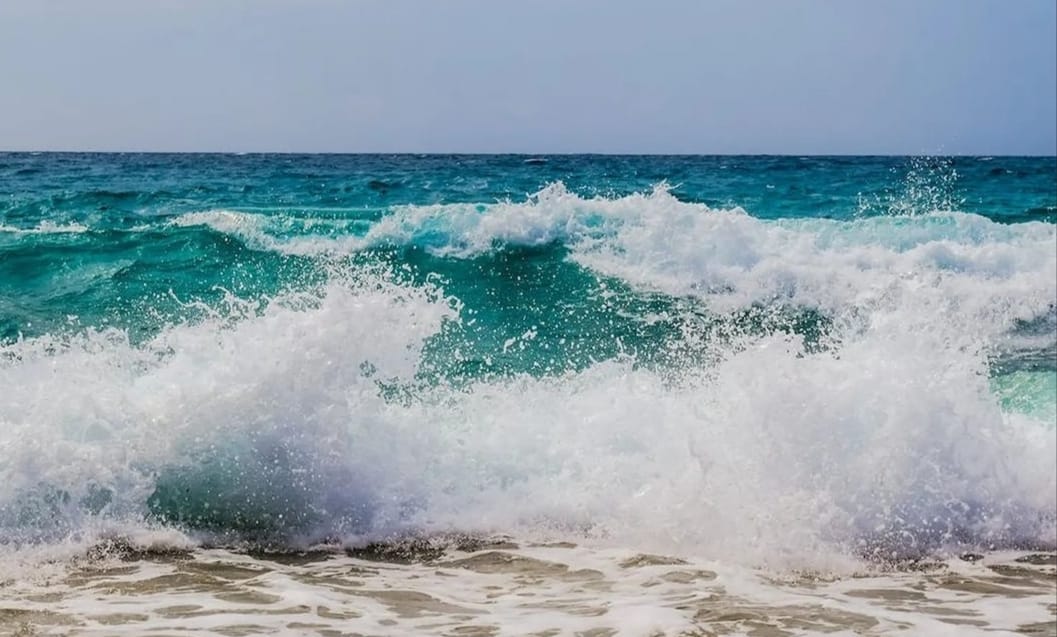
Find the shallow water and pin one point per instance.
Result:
(505, 587)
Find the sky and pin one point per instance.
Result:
(533, 76)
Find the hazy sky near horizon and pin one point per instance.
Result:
(665, 76)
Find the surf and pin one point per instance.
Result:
(634, 368)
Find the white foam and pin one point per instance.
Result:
(308, 410)
(263, 231)
(562, 590)
(47, 227)
(983, 274)
(96, 413)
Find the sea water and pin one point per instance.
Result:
(508, 395)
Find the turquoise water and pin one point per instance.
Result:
(307, 347)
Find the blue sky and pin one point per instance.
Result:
(664, 76)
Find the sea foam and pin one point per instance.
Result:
(304, 420)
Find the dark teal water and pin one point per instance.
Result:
(131, 260)
(231, 307)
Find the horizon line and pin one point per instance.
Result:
(510, 153)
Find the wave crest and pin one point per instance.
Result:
(304, 420)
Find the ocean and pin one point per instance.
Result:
(513, 395)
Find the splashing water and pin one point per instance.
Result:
(647, 369)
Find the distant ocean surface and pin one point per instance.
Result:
(492, 395)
